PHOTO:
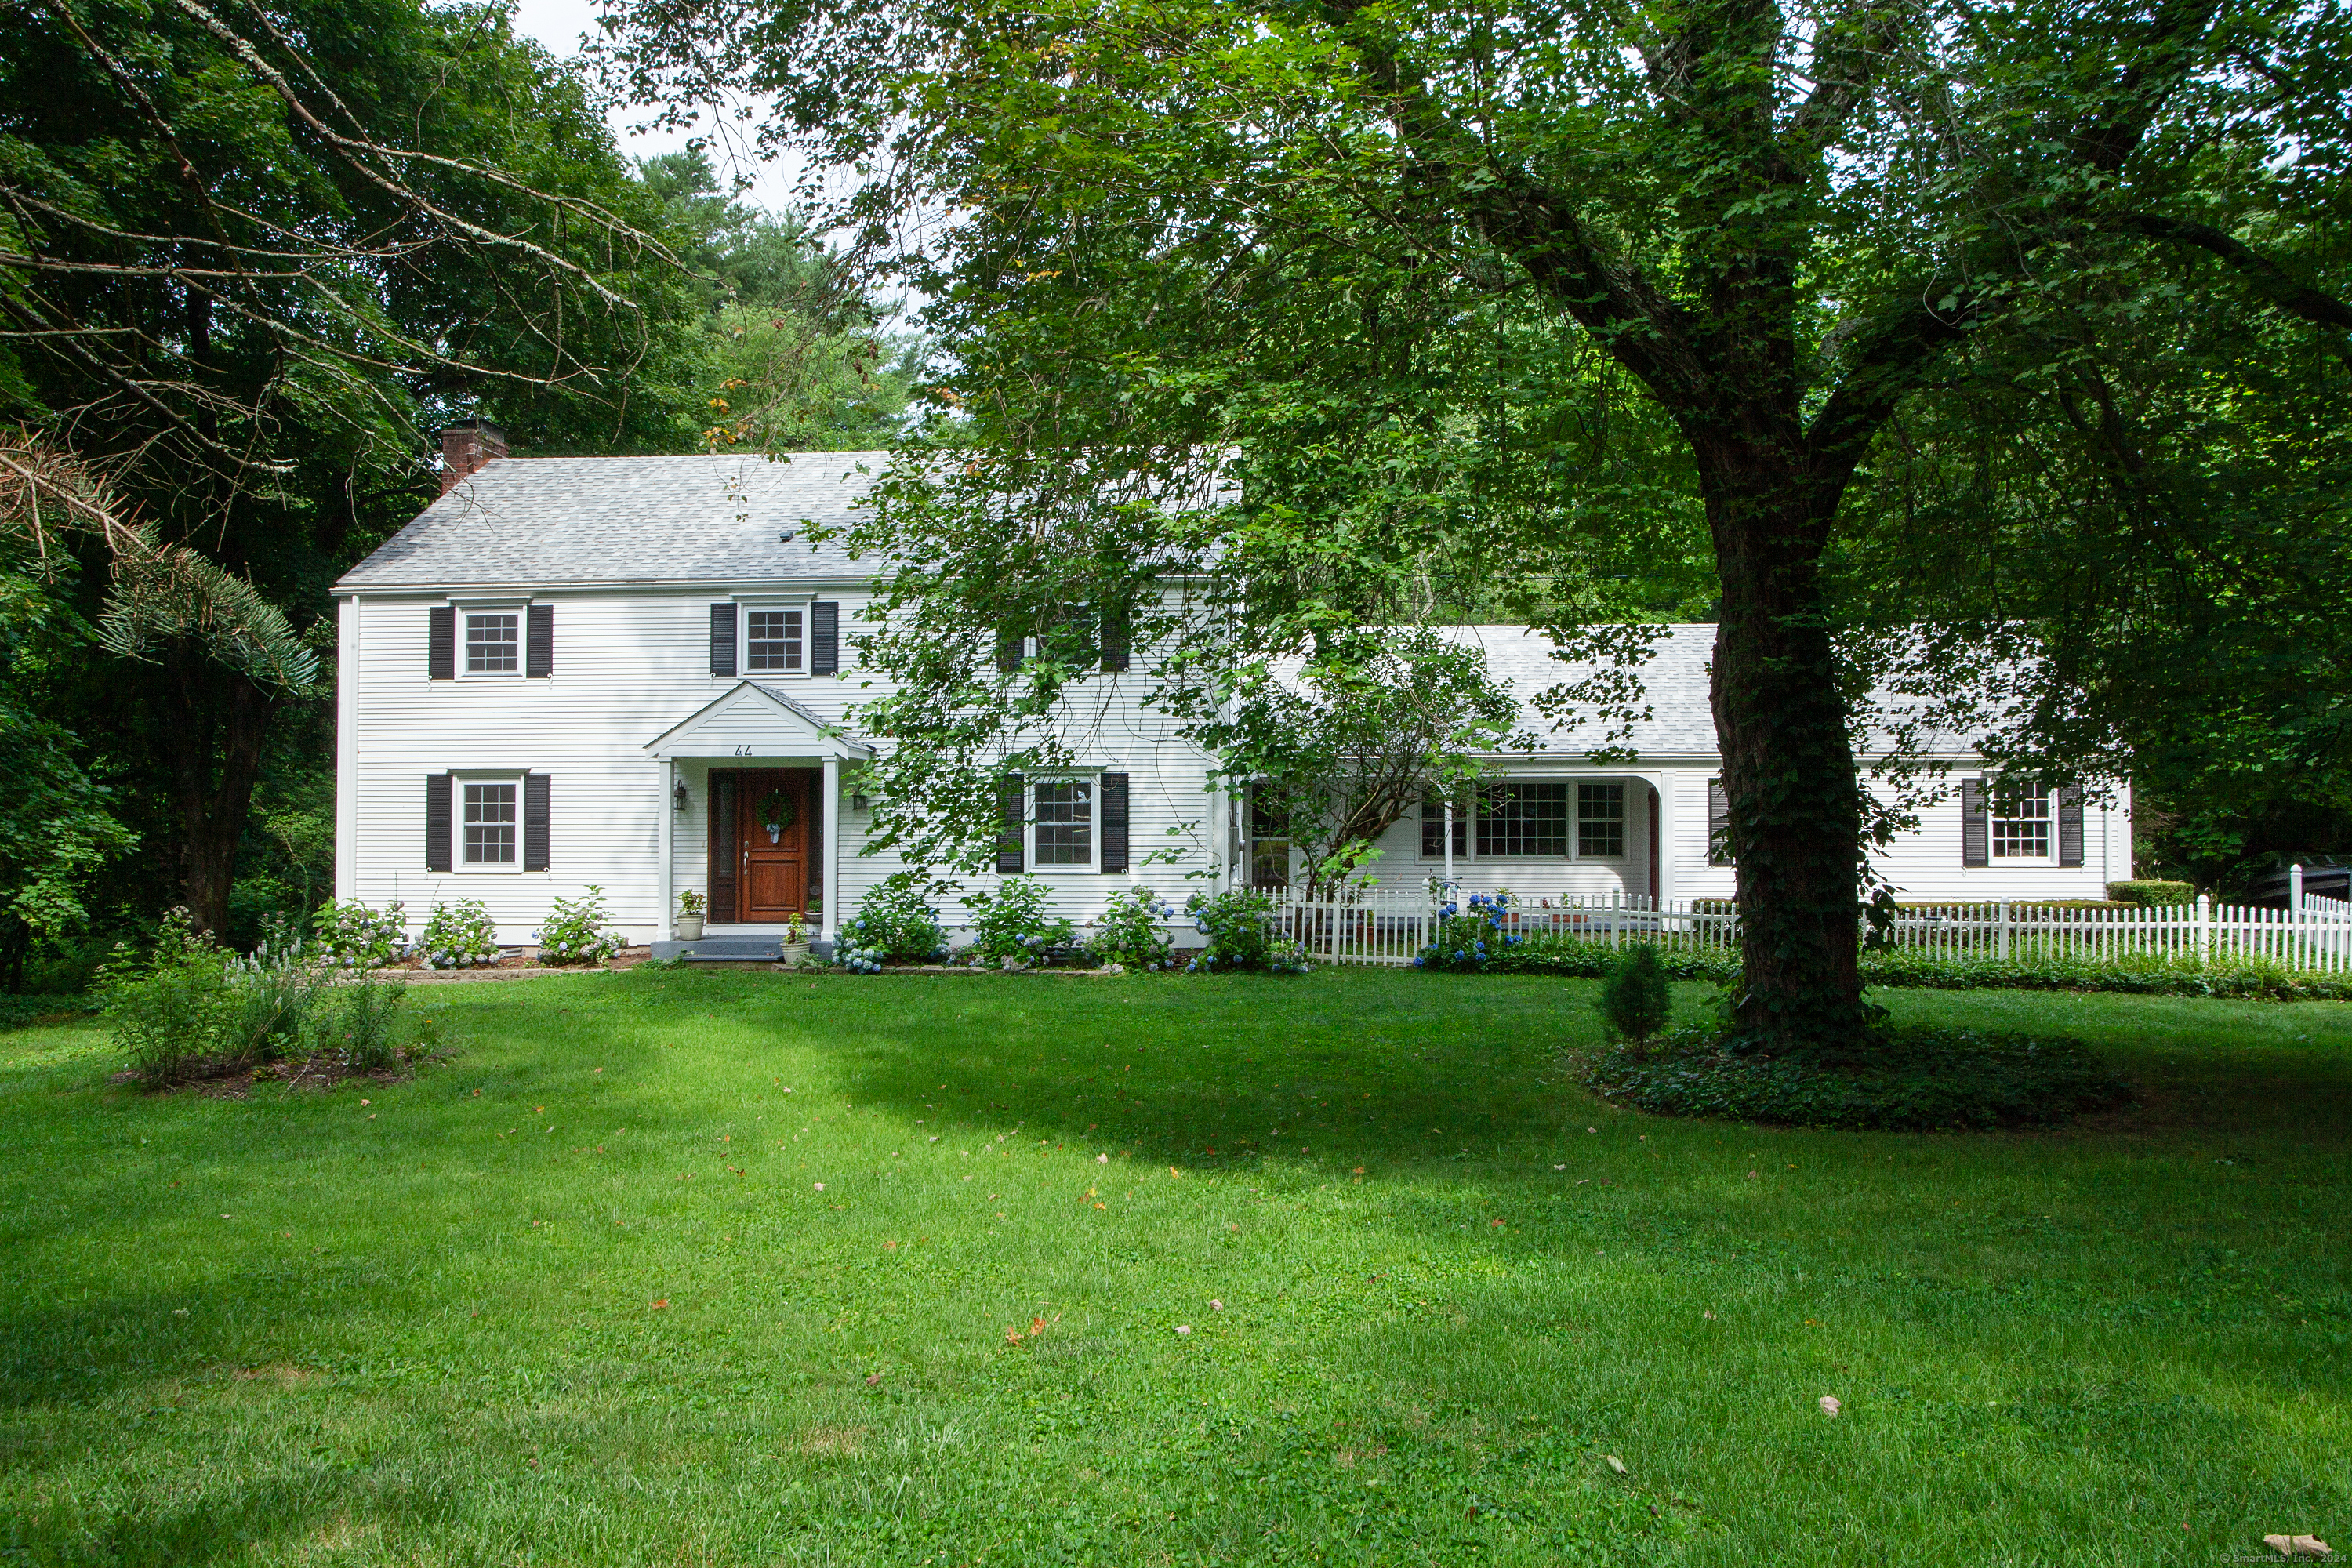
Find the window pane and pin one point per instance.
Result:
(1066, 824)
(1528, 818)
(1269, 839)
(1601, 821)
(2020, 822)
(489, 824)
(773, 641)
(491, 644)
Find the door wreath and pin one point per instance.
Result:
(777, 813)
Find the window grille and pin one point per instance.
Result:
(1065, 822)
(773, 639)
(2020, 823)
(1601, 821)
(493, 644)
(489, 824)
(1525, 819)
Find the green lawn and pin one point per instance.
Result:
(714, 1268)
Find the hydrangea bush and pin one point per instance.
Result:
(1132, 931)
(574, 931)
(896, 923)
(1470, 935)
(459, 936)
(355, 936)
(1011, 929)
(1239, 926)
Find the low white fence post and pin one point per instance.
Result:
(2001, 929)
(2204, 927)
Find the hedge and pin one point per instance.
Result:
(2153, 895)
(2154, 976)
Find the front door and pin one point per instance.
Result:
(772, 833)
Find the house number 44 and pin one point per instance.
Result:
(742, 751)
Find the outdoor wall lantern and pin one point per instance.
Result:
(678, 796)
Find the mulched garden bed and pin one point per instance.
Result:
(227, 1080)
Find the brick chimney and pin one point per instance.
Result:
(466, 446)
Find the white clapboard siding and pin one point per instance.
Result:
(629, 666)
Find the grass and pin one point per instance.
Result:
(576, 1295)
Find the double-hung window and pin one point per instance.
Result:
(491, 819)
(1601, 821)
(773, 641)
(493, 642)
(1065, 822)
(1269, 842)
(2020, 822)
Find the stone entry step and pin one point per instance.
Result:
(734, 949)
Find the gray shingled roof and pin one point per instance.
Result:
(522, 521)
(1674, 681)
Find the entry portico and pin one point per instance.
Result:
(767, 775)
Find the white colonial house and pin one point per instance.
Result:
(637, 673)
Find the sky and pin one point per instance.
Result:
(558, 26)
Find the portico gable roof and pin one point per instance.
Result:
(749, 720)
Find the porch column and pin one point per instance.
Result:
(832, 846)
(1661, 786)
(667, 807)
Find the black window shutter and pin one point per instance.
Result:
(441, 643)
(1114, 822)
(1114, 639)
(437, 821)
(824, 638)
(722, 639)
(1718, 824)
(1008, 648)
(2069, 826)
(1976, 827)
(1009, 804)
(538, 646)
(534, 822)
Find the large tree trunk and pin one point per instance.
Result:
(1788, 765)
(217, 724)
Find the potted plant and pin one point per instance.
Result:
(793, 952)
(689, 917)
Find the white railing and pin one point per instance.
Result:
(1394, 925)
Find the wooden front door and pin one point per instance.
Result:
(760, 839)
(771, 820)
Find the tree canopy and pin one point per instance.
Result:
(1514, 303)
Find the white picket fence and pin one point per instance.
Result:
(1394, 925)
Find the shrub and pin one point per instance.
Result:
(1010, 927)
(356, 937)
(2144, 974)
(1470, 940)
(357, 1025)
(1914, 1079)
(172, 1007)
(895, 924)
(1633, 1000)
(1129, 931)
(272, 993)
(1239, 926)
(575, 930)
(459, 936)
(2154, 895)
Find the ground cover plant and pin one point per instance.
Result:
(1476, 944)
(722, 1269)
